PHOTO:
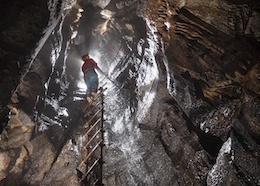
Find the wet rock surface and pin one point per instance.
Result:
(21, 27)
(183, 108)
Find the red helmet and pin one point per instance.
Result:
(85, 56)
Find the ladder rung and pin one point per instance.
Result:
(89, 111)
(88, 156)
(90, 169)
(93, 116)
(91, 128)
(91, 139)
(95, 182)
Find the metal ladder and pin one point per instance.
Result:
(90, 167)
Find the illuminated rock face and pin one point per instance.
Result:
(182, 105)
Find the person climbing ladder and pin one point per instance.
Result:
(90, 76)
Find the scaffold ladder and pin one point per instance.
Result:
(90, 167)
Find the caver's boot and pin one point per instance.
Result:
(91, 101)
(95, 94)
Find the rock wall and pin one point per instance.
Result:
(21, 28)
(211, 59)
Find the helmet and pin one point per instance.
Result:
(85, 56)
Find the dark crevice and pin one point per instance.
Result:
(209, 142)
(197, 20)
